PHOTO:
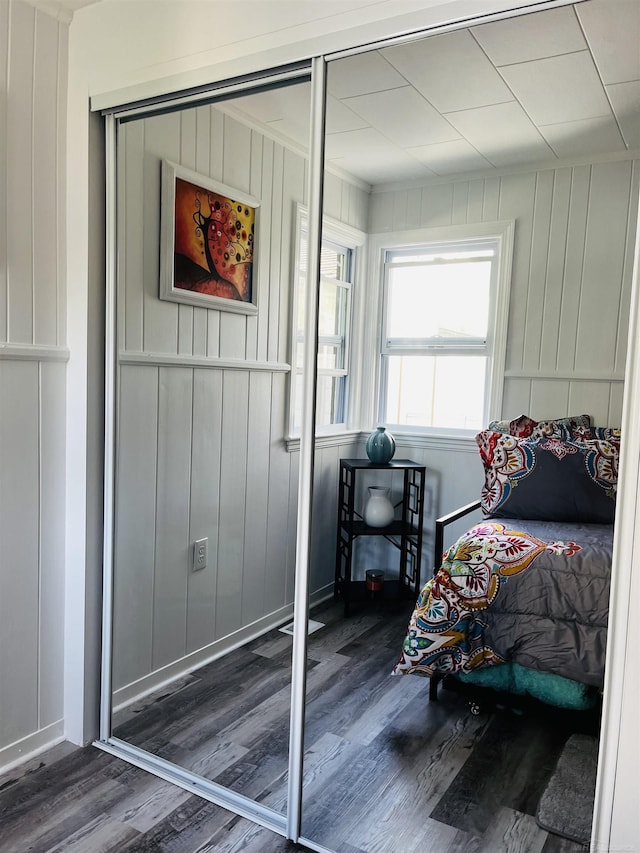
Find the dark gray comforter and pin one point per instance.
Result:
(534, 593)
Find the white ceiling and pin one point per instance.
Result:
(544, 86)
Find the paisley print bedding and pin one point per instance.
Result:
(531, 592)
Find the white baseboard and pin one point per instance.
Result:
(137, 690)
(30, 746)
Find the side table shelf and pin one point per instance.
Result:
(405, 533)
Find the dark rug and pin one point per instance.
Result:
(566, 807)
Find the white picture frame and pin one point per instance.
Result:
(207, 257)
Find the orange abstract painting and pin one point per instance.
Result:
(213, 243)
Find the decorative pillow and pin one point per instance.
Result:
(549, 479)
(521, 426)
(562, 428)
(596, 433)
(524, 426)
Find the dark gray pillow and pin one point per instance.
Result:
(549, 479)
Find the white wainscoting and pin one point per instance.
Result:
(32, 548)
(33, 356)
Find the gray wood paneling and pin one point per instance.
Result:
(52, 542)
(204, 504)
(554, 269)
(20, 188)
(4, 51)
(279, 570)
(33, 79)
(517, 200)
(603, 290)
(278, 229)
(135, 524)
(45, 181)
(233, 491)
(175, 406)
(576, 236)
(19, 539)
(130, 330)
(257, 500)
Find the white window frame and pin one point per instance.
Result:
(496, 345)
(351, 238)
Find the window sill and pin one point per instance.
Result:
(334, 439)
(435, 441)
(431, 441)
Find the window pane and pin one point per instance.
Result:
(334, 262)
(332, 323)
(436, 391)
(332, 309)
(330, 357)
(330, 400)
(439, 300)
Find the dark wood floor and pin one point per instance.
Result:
(385, 770)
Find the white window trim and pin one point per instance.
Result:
(379, 244)
(356, 240)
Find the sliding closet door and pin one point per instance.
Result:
(449, 133)
(205, 488)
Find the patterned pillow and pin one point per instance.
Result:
(562, 428)
(549, 479)
(521, 426)
(524, 426)
(596, 433)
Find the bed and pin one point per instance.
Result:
(519, 603)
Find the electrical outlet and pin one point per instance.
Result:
(200, 548)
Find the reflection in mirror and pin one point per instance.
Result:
(530, 123)
(205, 488)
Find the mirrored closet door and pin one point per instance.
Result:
(205, 488)
(505, 125)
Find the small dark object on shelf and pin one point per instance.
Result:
(375, 582)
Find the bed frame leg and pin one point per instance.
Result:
(434, 680)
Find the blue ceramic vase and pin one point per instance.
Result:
(380, 446)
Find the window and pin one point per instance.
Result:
(337, 271)
(443, 329)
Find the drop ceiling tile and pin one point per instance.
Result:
(558, 89)
(448, 158)
(502, 133)
(291, 129)
(612, 29)
(340, 118)
(403, 116)
(275, 104)
(450, 70)
(625, 100)
(367, 141)
(369, 155)
(373, 171)
(534, 36)
(361, 74)
(589, 136)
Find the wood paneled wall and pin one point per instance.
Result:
(33, 74)
(201, 450)
(573, 255)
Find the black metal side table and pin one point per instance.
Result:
(404, 532)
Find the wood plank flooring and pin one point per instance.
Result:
(385, 770)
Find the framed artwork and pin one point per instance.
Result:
(207, 242)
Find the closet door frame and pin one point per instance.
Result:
(170, 772)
